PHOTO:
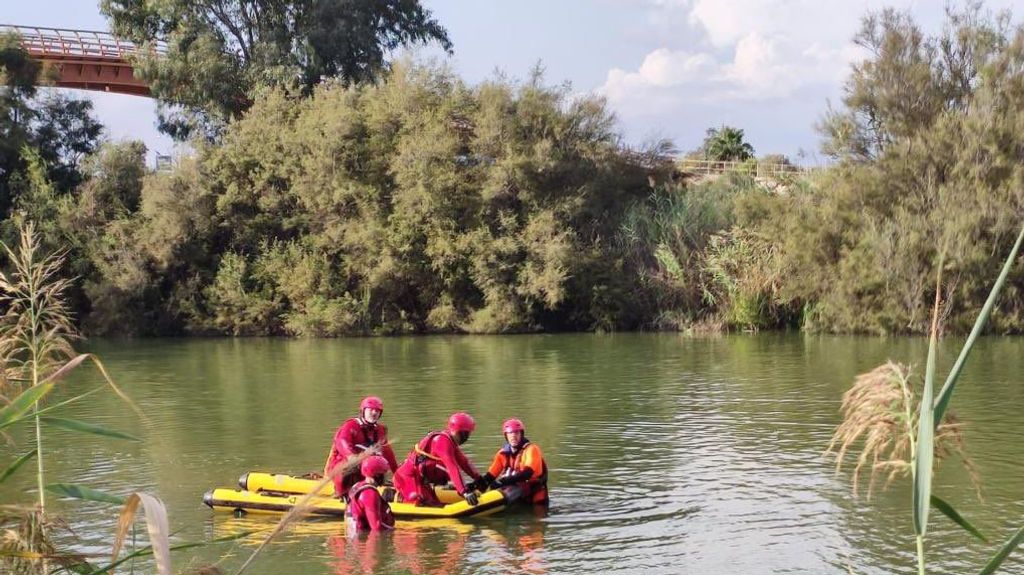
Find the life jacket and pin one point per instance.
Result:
(355, 509)
(421, 449)
(371, 434)
(510, 464)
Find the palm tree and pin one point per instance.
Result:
(726, 144)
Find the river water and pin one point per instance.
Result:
(668, 454)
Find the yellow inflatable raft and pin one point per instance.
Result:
(278, 493)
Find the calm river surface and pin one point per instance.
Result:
(668, 454)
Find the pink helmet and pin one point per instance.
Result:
(511, 425)
(373, 466)
(371, 402)
(461, 421)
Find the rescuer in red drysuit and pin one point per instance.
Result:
(518, 461)
(436, 460)
(353, 437)
(367, 510)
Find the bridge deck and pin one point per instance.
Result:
(84, 59)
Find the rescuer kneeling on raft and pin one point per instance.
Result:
(367, 510)
(356, 435)
(436, 460)
(518, 461)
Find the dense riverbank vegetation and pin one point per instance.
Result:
(418, 203)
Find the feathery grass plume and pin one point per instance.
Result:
(36, 328)
(880, 416)
(36, 334)
(35, 341)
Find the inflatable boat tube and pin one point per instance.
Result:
(256, 481)
(282, 483)
(240, 500)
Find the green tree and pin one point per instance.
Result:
(414, 204)
(18, 74)
(59, 131)
(65, 133)
(726, 144)
(929, 166)
(219, 53)
(910, 79)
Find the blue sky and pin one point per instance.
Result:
(669, 68)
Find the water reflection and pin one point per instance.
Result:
(357, 555)
(431, 548)
(519, 550)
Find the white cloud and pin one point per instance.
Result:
(661, 73)
(758, 69)
(828, 22)
(750, 50)
(726, 21)
(663, 67)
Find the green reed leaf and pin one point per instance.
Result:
(74, 399)
(15, 465)
(1003, 553)
(18, 409)
(926, 429)
(925, 449)
(83, 427)
(946, 393)
(954, 516)
(85, 493)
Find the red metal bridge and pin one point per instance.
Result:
(84, 60)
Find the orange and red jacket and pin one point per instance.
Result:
(509, 461)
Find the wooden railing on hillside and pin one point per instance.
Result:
(698, 167)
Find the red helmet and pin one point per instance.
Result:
(461, 421)
(373, 466)
(371, 402)
(511, 425)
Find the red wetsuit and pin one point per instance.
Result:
(367, 510)
(353, 437)
(435, 460)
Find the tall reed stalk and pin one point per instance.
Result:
(36, 332)
(872, 411)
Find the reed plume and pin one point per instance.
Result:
(880, 418)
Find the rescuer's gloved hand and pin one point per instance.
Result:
(470, 497)
(481, 483)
